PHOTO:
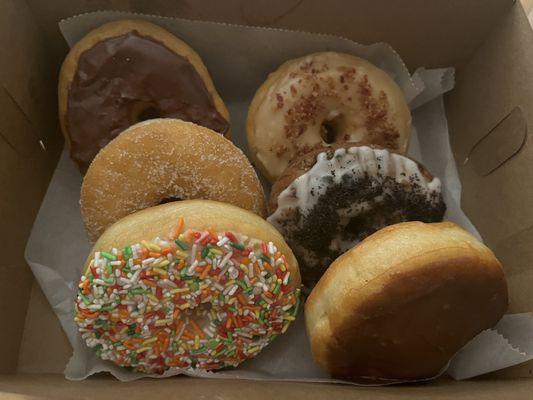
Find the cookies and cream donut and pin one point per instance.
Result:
(327, 201)
(190, 285)
(323, 99)
(399, 305)
(162, 160)
(129, 71)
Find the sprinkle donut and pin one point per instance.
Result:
(129, 71)
(163, 160)
(188, 285)
(322, 99)
(328, 201)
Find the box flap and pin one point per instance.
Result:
(490, 120)
(434, 35)
(26, 167)
(56, 387)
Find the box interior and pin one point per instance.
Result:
(490, 44)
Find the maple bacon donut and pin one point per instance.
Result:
(322, 99)
(129, 71)
(164, 160)
(190, 285)
(329, 200)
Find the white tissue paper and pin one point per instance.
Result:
(239, 59)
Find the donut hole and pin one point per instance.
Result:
(330, 130)
(148, 113)
(144, 111)
(200, 314)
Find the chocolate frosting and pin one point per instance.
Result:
(126, 79)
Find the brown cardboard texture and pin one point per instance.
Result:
(490, 44)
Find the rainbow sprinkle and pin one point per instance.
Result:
(205, 300)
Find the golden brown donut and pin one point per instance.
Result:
(322, 99)
(191, 284)
(163, 160)
(127, 71)
(330, 199)
(399, 305)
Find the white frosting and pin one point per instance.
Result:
(353, 164)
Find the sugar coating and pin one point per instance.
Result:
(160, 160)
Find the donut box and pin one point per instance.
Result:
(487, 117)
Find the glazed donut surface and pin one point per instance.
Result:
(190, 285)
(162, 160)
(326, 202)
(322, 99)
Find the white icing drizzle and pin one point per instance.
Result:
(353, 163)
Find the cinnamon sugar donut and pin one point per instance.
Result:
(129, 71)
(322, 99)
(329, 200)
(162, 160)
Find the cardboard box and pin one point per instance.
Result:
(489, 42)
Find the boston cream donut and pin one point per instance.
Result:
(190, 284)
(162, 160)
(399, 305)
(327, 201)
(322, 99)
(129, 71)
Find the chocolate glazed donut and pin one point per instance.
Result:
(128, 71)
(329, 200)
